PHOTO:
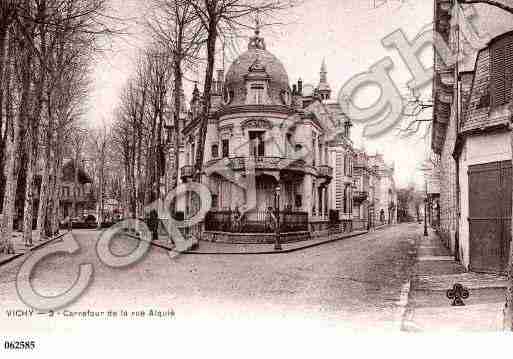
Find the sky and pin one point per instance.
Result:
(346, 33)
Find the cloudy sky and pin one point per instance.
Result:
(347, 33)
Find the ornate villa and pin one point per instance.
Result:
(297, 140)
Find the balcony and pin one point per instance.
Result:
(325, 171)
(187, 171)
(80, 198)
(360, 196)
(261, 163)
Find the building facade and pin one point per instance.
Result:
(472, 138)
(268, 145)
(385, 192)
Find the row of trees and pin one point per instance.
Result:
(45, 51)
(185, 35)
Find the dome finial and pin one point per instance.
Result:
(324, 71)
(257, 23)
(257, 42)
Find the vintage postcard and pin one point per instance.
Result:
(257, 174)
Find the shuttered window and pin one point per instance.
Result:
(501, 70)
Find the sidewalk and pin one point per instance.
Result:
(233, 248)
(20, 249)
(435, 272)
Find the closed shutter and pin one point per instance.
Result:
(501, 71)
(497, 83)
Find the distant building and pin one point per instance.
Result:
(85, 197)
(385, 192)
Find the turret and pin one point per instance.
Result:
(324, 88)
(195, 101)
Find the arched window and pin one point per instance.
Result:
(257, 143)
(215, 151)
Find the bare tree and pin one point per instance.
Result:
(499, 4)
(225, 18)
(99, 145)
(177, 30)
(21, 44)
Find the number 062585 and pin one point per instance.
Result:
(19, 345)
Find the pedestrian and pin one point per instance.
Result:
(272, 217)
(67, 223)
(237, 219)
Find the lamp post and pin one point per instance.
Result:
(277, 244)
(425, 218)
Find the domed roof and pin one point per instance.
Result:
(240, 68)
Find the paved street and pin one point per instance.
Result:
(354, 283)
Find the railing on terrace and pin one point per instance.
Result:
(326, 171)
(263, 162)
(187, 171)
(360, 196)
(255, 222)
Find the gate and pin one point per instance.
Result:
(489, 216)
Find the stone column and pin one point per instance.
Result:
(323, 197)
(328, 191)
(238, 147)
(307, 194)
(325, 201)
(315, 199)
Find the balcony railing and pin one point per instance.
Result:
(187, 171)
(360, 196)
(255, 222)
(325, 171)
(264, 163)
(80, 198)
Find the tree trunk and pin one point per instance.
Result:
(3, 36)
(15, 151)
(33, 143)
(138, 207)
(75, 183)
(57, 176)
(31, 148)
(99, 207)
(508, 308)
(177, 103)
(150, 165)
(44, 192)
(4, 124)
(211, 49)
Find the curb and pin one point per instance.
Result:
(36, 247)
(264, 251)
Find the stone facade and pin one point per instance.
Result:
(297, 143)
(375, 192)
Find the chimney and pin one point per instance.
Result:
(300, 87)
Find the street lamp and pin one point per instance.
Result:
(425, 217)
(277, 245)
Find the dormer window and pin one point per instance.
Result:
(257, 93)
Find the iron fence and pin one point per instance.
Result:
(255, 222)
